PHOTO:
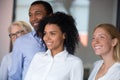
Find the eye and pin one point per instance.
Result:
(29, 15)
(93, 38)
(53, 33)
(102, 37)
(17, 32)
(12, 35)
(44, 33)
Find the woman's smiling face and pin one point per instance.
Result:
(53, 37)
(102, 42)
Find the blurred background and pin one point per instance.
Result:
(87, 14)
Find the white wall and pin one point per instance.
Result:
(5, 20)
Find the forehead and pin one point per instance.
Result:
(52, 27)
(15, 28)
(37, 7)
(101, 31)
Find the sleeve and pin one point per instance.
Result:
(114, 72)
(77, 71)
(94, 69)
(4, 69)
(116, 75)
(15, 72)
(31, 68)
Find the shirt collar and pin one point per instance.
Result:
(36, 36)
(63, 55)
(34, 33)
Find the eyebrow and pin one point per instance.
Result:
(36, 11)
(51, 31)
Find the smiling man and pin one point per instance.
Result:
(26, 46)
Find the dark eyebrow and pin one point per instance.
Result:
(35, 11)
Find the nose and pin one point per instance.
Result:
(96, 40)
(46, 37)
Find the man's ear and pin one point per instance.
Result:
(64, 35)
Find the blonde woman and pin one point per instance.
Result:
(15, 30)
(106, 44)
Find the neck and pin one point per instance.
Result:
(108, 58)
(108, 63)
(54, 52)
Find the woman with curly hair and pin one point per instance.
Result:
(60, 35)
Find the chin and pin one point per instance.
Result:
(98, 54)
(49, 48)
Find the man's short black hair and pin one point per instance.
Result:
(46, 5)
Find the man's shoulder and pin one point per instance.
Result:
(27, 36)
(23, 39)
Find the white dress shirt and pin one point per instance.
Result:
(113, 72)
(63, 66)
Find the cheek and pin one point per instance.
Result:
(108, 42)
(92, 44)
(44, 38)
(40, 17)
(13, 40)
(59, 41)
(30, 18)
(30, 21)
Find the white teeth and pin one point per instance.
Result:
(97, 47)
(35, 24)
(48, 43)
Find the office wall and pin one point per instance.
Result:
(5, 20)
(100, 11)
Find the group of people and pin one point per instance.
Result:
(47, 52)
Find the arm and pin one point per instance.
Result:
(77, 71)
(4, 68)
(15, 72)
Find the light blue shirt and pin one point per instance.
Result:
(24, 49)
(5, 67)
